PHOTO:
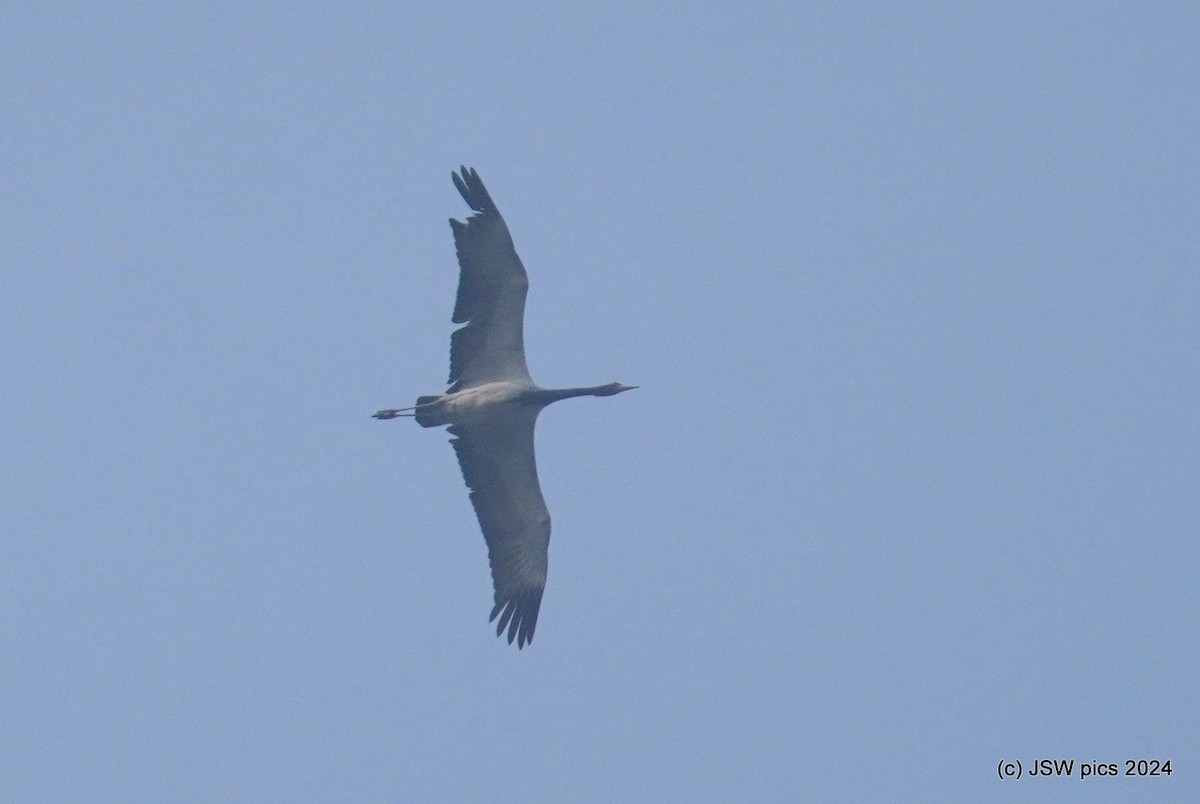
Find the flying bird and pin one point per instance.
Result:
(491, 408)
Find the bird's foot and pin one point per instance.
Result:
(391, 413)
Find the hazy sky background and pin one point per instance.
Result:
(910, 485)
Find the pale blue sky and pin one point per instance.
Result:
(909, 486)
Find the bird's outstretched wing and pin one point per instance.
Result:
(498, 464)
(491, 294)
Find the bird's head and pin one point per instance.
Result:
(613, 388)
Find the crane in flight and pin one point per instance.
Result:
(492, 405)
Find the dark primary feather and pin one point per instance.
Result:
(492, 286)
(498, 465)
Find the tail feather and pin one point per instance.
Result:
(427, 416)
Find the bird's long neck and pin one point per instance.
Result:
(544, 396)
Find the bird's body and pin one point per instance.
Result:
(492, 406)
(470, 405)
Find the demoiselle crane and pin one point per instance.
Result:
(492, 405)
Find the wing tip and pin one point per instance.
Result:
(470, 187)
(518, 614)
(461, 185)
